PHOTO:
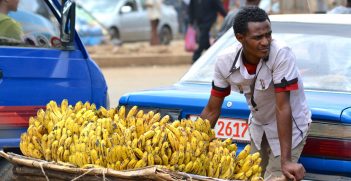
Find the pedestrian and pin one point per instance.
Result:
(342, 9)
(229, 19)
(184, 20)
(265, 71)
(9, 28)
(154, 13)
(203, 14)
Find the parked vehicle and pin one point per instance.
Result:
(32, 75)
(35, 16)
(127, 20)
(321, 44)
(37, 29)
(91, 31)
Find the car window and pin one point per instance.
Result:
(132, 4)
(143, 4)
(322, 55)
(39, 27)
(97, 7)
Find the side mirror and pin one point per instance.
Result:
(126, 9)
(67, 31)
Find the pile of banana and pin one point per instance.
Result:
(87, 137)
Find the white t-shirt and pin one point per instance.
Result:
(279, 71)
(154, 8)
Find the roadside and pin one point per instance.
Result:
(140, 54)
(121, 80)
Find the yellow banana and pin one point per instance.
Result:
(164, 120)
(255, 156)
(138, 152)
(157, 160)
(139, 126)
(239, 176)
(132, 112)
(140, 114)
(188, 167)
(132, 163)
(174, 158)
(176, 123)
(164, 159)
(174, 130)
(210, 170)
(228, 173)
(244, 153)
(150, 159)
(124, 164)
(140, 163)
(122, 113)
(149, 134)
(172, 140)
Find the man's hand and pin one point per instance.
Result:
(293, 171)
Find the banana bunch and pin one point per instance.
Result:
(88, 137)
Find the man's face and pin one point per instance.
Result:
(257, 40)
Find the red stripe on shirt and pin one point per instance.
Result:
(218, 93)
(290, 87)
(251, 69)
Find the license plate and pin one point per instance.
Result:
(237, 129)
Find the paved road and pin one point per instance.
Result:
(121, 80)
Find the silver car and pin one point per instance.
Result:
(127, 20)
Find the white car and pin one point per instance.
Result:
(127, 20)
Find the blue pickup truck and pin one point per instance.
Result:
(45, 66)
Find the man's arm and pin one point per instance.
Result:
(291, 170)
(212, 110)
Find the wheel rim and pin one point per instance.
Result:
(165, 36)
(114, 34)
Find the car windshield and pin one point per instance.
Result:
(322, 55)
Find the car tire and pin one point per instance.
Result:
(115, 36)
(6, 170)
(165, 35)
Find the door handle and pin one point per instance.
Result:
(1, 74)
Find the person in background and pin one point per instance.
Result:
(154, 13)
(342, 9)
(184, 21)
(9, 28)
(264, 70)
(203, 14)
(229, 19)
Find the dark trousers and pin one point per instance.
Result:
(154, 40)
(203, 39)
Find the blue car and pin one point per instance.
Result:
(31, 75)
(322, 46)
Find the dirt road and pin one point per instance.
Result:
(121, 80)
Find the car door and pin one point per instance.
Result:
(134, 21)
(34, 73)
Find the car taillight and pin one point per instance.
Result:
(329, 140)
(17, 116)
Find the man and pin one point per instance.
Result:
(154, 13)
(10, 29)
(342, 9)
(203, 14)
(264, 70)
(229, 19)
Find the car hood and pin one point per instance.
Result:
(191, 99)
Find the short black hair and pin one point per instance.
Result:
(248, 14)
